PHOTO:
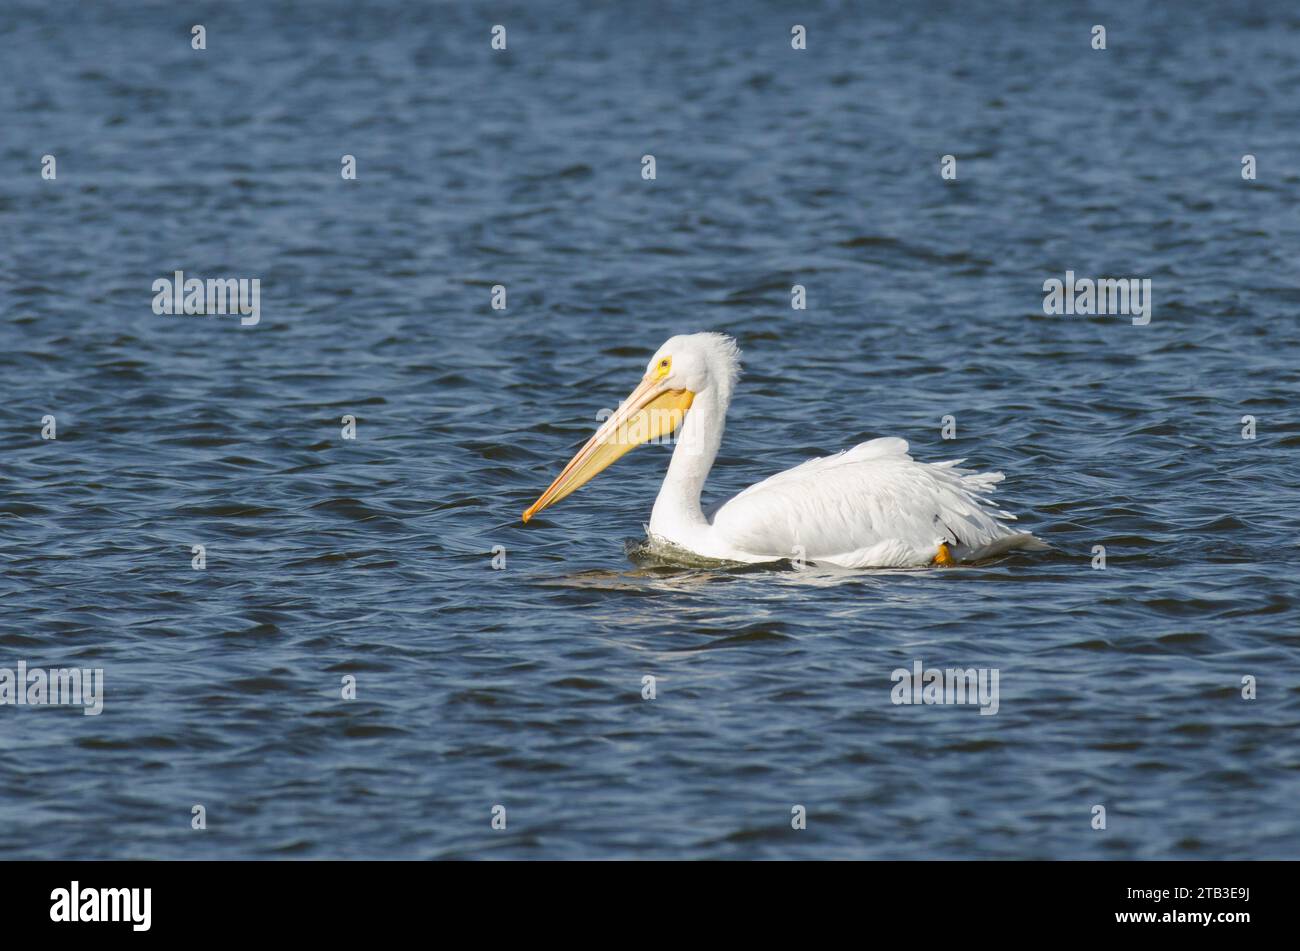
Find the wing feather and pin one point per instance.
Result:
(872, 504)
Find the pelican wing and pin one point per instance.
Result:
(869, 505)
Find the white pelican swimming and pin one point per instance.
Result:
(870, 506)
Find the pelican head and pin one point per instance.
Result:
(683, 368)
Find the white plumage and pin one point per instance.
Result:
(870, 506)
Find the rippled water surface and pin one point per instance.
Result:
(522, 687)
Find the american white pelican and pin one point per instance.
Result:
(870, 506)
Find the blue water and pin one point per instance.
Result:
(522, 687)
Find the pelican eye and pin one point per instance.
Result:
(665, 365)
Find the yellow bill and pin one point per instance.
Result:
(652, 410)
